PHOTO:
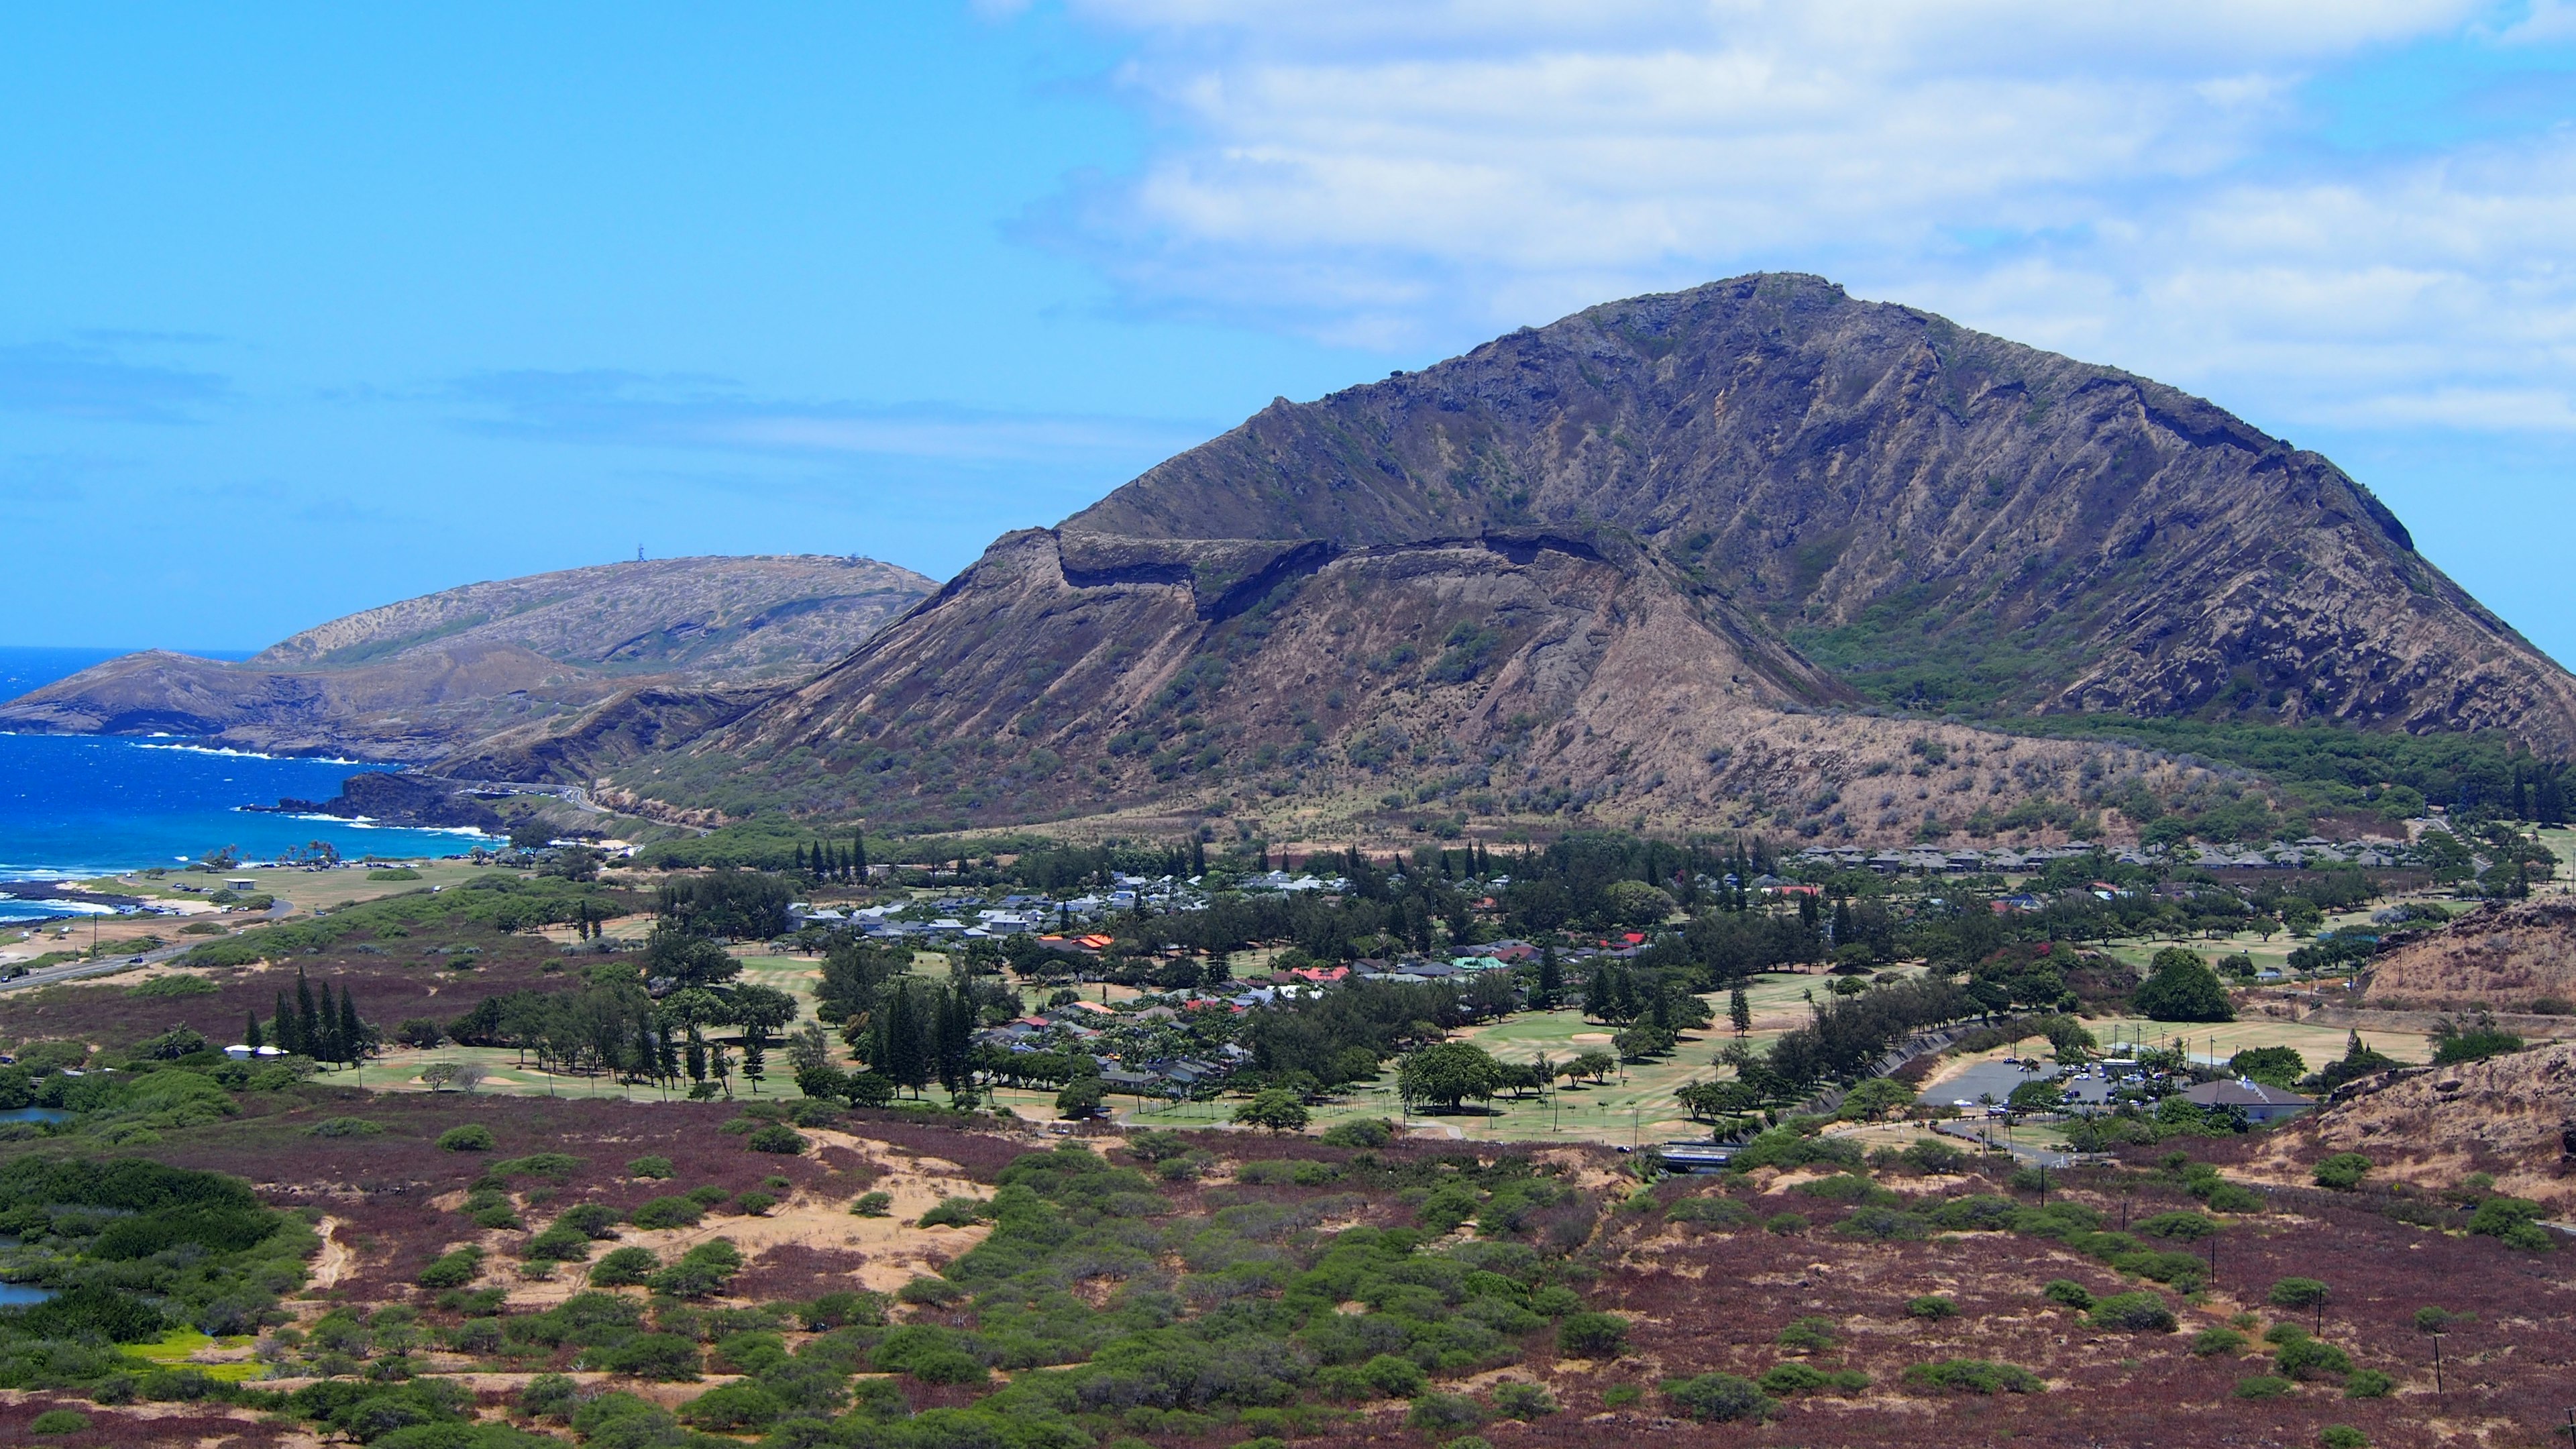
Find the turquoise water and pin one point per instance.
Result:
(75, 805)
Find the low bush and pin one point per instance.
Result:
(2139, 1312)
(777, 1137)
(667, 1212)
(59, 1421)
(755, 1203)
(873, 1205)
(2343, 1171)
(472, 1137)
(453, 1269)
(1974, 1376)
(1516, 1400)
(957, 1212)
(2262, 1386)
(345, 1127)
(1810, 1334)
(1931, 1306)
(1360, 1132)
(2305, 1358)
(1710, 1212)
(624, 1268)
(1718, 1398)
(1436, 1411)
(656, 1168)
(2368, 1384)
(2342, 1436)
(2211, 1342)
(2068, 1293)
(1592, 1335)
(2513, 1221)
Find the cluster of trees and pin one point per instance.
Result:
(323, 1029)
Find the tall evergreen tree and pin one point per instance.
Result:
(251, 1036)
(1551, 980)
(283, 1027)
(305, 1043)
(326, 1028)
(353, 1032)
(859, 856)
(1739, 1011)
(956, 1038)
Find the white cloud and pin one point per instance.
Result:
(2139, 184)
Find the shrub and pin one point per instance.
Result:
(345, 1127)
(756, 1204)
(1718, 1398)
(174, 986)
(2514, 1221)
(1974, 1376)
(1710, 1212)
(472, 1137)
(933, 1292)
(1393, 1377)
(656, 1168)
(777, 1137)
(733, 1409)
(2342, 1436)
(550, 1396)
(1360, 1132)
(1791, 1378)
(1885, 1225)
(1931, 1306)
(2069, 1293)
(624, 1268)
(667, 1212)
(1785, 1224)
(452, 1270)
(1516, 1400)
(2229, 1197)
(2368, 1384)
(2140, 1312)
(2211, 1342)
(58, 1421)
(2343, 1172)
(2305, 1357)
(1810, 1334)
(2261, 1386)
(1436, 1411)
(669, 1357)
(707, 1196)
(1844, 1187)
(873, 1205)
(1592, 1335)
(2184, 1226)
(957, 1212)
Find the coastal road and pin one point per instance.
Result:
(75, 970)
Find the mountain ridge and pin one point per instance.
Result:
(1768, 496)
(429, 677)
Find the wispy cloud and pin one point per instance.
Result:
(711, 413)
(76, 381)
(2147, 185)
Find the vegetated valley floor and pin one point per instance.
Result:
(1709, 1273)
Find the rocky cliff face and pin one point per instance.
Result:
(1642, 561)
(434, 676)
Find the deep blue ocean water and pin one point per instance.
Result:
(74, 806)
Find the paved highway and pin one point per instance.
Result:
(75, 970)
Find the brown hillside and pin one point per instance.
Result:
(2507, 1115)
(2498, 959)
(425, 677)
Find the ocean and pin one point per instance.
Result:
(75, 806)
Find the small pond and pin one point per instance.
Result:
(35, 1114)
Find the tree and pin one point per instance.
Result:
(2277, 1066)
(2037, 1096)
(1739, 1011)
(1551, 980)
(1448, 1074)
(2182, 988)
(809, 1047)
(1080, 1097)
(251, 1034)
(1873, 1099)
(1275, 1110)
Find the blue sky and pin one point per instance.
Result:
(304, 309)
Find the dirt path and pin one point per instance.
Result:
(332, 1263)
